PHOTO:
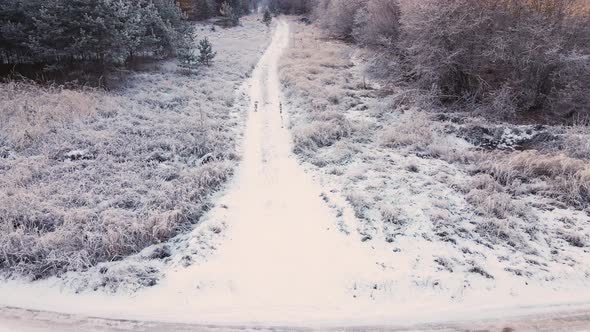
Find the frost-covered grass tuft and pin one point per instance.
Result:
(89, 176)
(567, 178)
(577, 142)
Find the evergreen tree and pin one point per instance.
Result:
(230, 12)
(201, 10)
(206, 53)
(267, 18)
(60, 33)
(187, 58)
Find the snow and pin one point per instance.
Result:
(273, 251)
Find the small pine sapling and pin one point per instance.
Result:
(230, 13)
(185, 51)
(206, 53)
(188, 58)
(267, 18)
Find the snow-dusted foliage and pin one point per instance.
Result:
(502, 58)
(483, 214)
(524, 57)
(88, 176)
(367, 22)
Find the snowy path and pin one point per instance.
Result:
(281, 258)
(283, 255)
(283, 247)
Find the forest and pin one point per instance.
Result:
(64, 33)
(507, 58)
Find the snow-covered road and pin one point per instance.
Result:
(283, 251)
(282, 257)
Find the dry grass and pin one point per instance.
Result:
(88, 176)
(347, 123)
(567, 178)
(94, 177)
(577, 142)
(29, 114)
(491, 199)
(313, 68)
(406, 175)
(414, 129)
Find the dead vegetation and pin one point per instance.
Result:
(410, 168)
(503, 59)
(90, 176)
(553, 175)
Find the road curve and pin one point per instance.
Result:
(20, 320)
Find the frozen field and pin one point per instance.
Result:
(88, 177)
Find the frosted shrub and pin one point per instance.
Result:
(377, 23)
(325, 129)
(337, 17)
(515, 56)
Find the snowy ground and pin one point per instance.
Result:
(289, 245)
(16, 320)
(279, 257)
(447, 238)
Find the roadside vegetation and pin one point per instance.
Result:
(125, 125)
(40, 38)
(462, 124)
(511, 62)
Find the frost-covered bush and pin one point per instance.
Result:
(337, 17)
(367, 22)
(577, 142)
(505, 58)
(325, 129)
(377, 23)
(527, 57)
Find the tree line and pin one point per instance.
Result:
(105, 32)
(205, 9)
(60, 36)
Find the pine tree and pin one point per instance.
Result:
(229, 12)
(206, 53)
(267, 18)
(201, 10)
(64, 33)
